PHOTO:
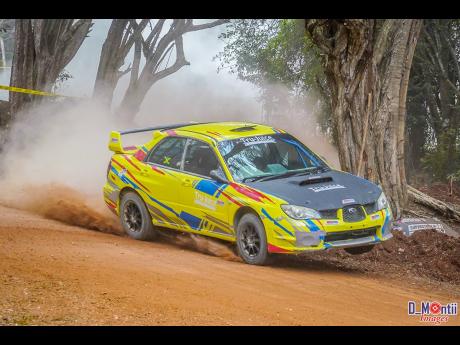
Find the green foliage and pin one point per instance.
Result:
(433, 100)
(269, 52)
(442, 160)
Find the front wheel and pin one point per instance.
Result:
(359, 250)
(251, 240)
(135, 218)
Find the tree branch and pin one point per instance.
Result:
(192, 27)
(179, 63)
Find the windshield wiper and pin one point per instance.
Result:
(306, 171)
(255, 178)
(291, 173)
(286, 174)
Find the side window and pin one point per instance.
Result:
(200, 159)
(168, 152)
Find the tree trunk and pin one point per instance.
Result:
(43, 47)
(110, 62)
(363, 57)
(441, 207)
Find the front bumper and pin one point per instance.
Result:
(323, 236)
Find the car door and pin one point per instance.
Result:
(201, 196)
(161, 176)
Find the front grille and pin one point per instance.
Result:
(328, 214)
(353, 213)
(370, 208)
(349, 235)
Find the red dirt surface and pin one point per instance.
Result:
(56, 274)
(426, 254)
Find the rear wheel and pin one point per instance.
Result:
(135, 218)
(359, 250)
(251, 240)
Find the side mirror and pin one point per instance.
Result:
(218, 177)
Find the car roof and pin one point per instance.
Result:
(229, 130)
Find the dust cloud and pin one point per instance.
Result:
(61, 203)
(53, 163)
(54, 158)
(201, 244)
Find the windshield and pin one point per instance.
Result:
(263, 156)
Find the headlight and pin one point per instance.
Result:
(299, 212)
(382, 202)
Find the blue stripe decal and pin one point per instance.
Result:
(221, 188)
(275, 222)
(312, 226)
(164, 205)
(385, 223)
(301, 157)
(208, 187)
(124, 178)
(308, 154)
(191, 220)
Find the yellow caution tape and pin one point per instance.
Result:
(29, 91)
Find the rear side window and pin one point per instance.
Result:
(200, 159)
(168, 152)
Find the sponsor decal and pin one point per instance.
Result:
(121, 173)
(432, 311)
(375, 216)
(205, 201)
(410, 220)
(327, 187)
(348, 201)
(415, 227)
(332, 222)
(261, 139)
(114, 140)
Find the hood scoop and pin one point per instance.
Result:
(315, 180)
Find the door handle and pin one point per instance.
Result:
(186, 182)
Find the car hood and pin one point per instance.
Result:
(329, 190)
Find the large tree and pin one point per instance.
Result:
(156, 48)
(43, 47)
(367, 65)
(434, 99)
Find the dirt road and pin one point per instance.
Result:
(52, 273)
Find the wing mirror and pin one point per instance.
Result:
(216, 175)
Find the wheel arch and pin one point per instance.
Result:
(127, 189)
(241, 212)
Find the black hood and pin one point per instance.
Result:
(329, 190)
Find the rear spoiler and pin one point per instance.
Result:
(116, 145)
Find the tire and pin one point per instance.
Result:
(359, 250)
(135, 218)
(251, 240)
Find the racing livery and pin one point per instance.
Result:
(242, 182)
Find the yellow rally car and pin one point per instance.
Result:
(242, 182)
